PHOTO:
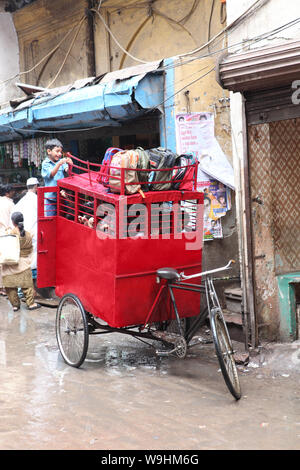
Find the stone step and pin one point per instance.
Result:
(233, 317)
(233, 298)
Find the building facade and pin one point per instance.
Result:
(72, 52)
(262, 73)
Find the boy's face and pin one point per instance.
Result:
(54, 154)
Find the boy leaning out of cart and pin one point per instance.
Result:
(54, 168)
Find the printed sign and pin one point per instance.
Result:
(195, 134)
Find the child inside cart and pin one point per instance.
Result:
(54, 168)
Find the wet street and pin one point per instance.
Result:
(125, 397)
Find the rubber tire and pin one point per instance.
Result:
(224, 349)
(85, 343)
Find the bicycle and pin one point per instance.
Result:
(74, 325)
(213, 311)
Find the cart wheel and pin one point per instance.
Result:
(225, 353)
(72, 330)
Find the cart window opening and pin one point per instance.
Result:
(49, 207)
(134, 221)
(162, 219)
(187, 216)
(85, 210)
(67, 204)
(106, 218)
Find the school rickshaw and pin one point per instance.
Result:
(130, 264)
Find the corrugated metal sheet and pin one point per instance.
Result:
(88, 103)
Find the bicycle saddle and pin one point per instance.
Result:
(168, 273)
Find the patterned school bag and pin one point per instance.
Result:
(127, 159)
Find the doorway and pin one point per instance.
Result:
(274, 157)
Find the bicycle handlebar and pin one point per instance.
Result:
(205, 273)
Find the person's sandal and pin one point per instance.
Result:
(15, 309)
(34, 307)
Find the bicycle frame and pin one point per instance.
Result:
(221, 338)
(208, 288)
(212, 301)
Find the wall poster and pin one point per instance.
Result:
(195, 134)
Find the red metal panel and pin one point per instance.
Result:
(136, 296)
(46, 243)
(88, 267)
(85, 266)
(115, 276)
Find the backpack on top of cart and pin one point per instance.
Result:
(183, 178)
(104, 176)
(124, 159)
(143, 164)
(161, 159)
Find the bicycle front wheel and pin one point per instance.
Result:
(225, 352)
(72, 330)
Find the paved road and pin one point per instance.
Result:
(125, 397)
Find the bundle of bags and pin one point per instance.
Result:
(177, 171)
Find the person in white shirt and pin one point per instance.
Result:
(7, 207)
(27, 205)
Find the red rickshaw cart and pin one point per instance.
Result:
(105, 254)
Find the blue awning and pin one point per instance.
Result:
(131, 93)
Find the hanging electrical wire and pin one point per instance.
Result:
(255, 40)
(249, 12)
(228, 29)
(67, 54)
(46, 56)
(97, 127)
(151, 11)
(116, 41)
(182, 60)
(245, 42)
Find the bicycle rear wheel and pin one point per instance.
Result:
(225, 353)
(72, 330)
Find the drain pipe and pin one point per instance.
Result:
(246, 238)
(90, 39)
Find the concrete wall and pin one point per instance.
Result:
(148, 33)
(55, 35)
(207, 96)
(9, 57)
(271, 15)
